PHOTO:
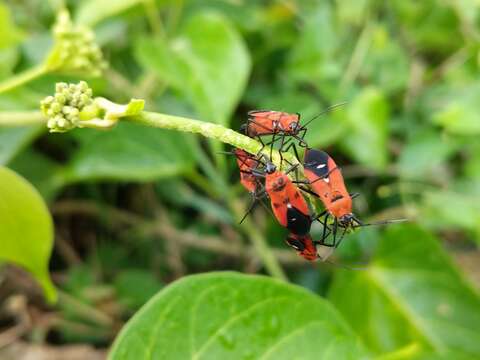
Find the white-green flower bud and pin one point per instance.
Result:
(63, 109)
(75, 49)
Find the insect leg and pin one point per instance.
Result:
(250, 208)
(305, 189)
(259, 138)
(323, 213)
(341, 238)
(334, 231)
(354, 195)
(291, 168)
(271, 148)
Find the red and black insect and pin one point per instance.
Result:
(326, 181)
(271, 122)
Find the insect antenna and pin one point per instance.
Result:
(342, 266)
(226, 152)
(362, 224)
(326, 111)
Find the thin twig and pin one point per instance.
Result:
(186, 238)
(66, 250)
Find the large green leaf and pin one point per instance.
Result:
(234, 316)
(208, 62)
(26, 228)
(130, 152)
(410, 293)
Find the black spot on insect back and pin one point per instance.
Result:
(317, 162)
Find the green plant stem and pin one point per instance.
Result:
(21, 118)
(85, 310)
(260, 245)
(24, 77)
(207, 129)
(154, 17)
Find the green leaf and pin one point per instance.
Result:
(92, 12)
(416, 160)
(313, 58)
(458, 110)
(135, 287)
(11, 34)
(367, 118)
(386, 64)
(353, 12)
(13, 140)
(45, 174)
(208, 62)
(130, 152)
(411, 292)
(457, 207)
(432, 27)
(26, 228)
(234, 316)
(8, 60)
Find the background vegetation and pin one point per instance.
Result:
(136, 208)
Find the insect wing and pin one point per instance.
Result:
(297, 222)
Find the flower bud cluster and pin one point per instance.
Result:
(63, 109)
(75, 48)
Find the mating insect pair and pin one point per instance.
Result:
(289, 206)
(323, 178)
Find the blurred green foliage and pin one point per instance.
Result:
(406, 139)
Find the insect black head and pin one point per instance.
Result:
(346, 220)
(270, 168)
(294, 126)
